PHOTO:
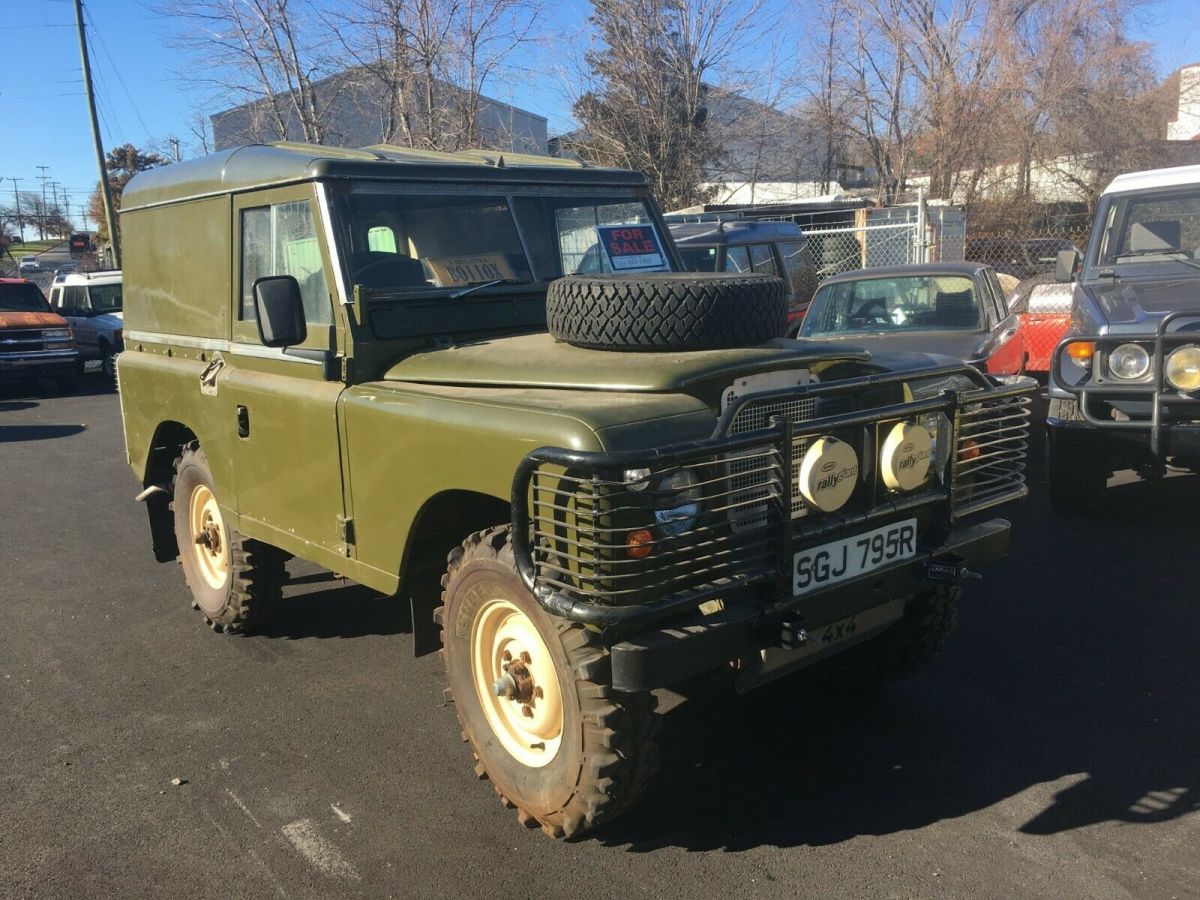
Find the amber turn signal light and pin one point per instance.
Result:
(639, 543)
(968, 451)
(1082, 352)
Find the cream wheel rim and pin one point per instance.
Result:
(516, 683)
(208, 536)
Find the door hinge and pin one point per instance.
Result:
(346, 528)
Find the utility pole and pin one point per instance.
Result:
(42, 218)
(105, 189)
(174, 142)
(54, 220)
(67, 202)
(17, 200)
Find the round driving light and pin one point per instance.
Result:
(1129, 361)
(638, 544)
(906, 456)
(828, 474)
(1183, 369)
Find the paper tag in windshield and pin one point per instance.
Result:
(458, 271)
(632, 248)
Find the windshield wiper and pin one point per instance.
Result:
(1165, 257)
(472, 288)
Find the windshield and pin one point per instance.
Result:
(105, 297)
(1153, 228)
(417, 243)
(907, 304)
(23, 297)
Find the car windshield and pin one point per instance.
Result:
(23, 297)
(699, 259)
(105, 297)
(1153, 228)
(417, 243)
(904, 304)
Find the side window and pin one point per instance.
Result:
(282, 240)
(737, 259)
(56, 298)
(75, 300)
(762, 260)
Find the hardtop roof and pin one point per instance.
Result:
(736, 231)
(1154, 178)
(270, 165)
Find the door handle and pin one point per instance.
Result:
(243, 422)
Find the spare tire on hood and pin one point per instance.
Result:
(666, 310)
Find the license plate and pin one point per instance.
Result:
(819, 567)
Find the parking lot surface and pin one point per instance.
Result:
(1051, 751)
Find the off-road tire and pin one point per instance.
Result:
(607, 754)
(666, 310)
(1077, 482)
(256, 574)
(108, 364)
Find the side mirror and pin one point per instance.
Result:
(280, 311)
(1065, 265)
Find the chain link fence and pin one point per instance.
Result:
(1022, 254)
(837, 250)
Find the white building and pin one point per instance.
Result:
(1186, 126)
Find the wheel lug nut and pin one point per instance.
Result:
(527, 711)
(525, 657)
(538, 693)
(507, 656)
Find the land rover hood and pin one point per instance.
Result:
(20, 319)
(1136, 301)
(966, 346)
(538, 361)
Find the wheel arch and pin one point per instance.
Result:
(159, 471)
(442, 523)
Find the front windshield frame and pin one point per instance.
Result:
(538, 268)
(1115, 218)
(882, 315)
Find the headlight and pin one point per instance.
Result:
(56, 334)
(1129, 361)
(679, 497)
(1183, 369)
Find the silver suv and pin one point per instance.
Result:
(92, 303)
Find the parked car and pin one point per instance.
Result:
(92, 302)
(1044, 307)
(35, 343)
(29, 264)
(378, 361)
(740, 245)
(65, 269)
(953, 309)
(1125, 380)
(1018, 257)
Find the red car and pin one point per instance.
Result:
(1044, 307)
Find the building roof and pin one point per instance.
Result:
(284, 162)
(1154, 178)
(944, 268)
(739, 231)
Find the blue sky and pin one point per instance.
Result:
(43, 115)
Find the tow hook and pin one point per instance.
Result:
(949, 572)
(791, 635)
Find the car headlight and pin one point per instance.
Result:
(679, 497)
(56, 334)
(1129, 362)
(1183, 369)
(906, 456)
(828, 474)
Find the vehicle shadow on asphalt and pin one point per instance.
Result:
(322, 605)
(1067, 697)
(14, 433)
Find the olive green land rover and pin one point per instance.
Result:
(484, 384)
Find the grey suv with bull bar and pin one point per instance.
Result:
(1125, 381)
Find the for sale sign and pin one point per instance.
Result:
(632, 248)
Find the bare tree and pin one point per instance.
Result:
(264, 53)
(423, 66)
(642, 97)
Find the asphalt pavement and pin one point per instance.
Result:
(1051, 751)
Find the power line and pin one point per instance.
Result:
(112, 62)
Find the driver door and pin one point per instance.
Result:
(286, 456)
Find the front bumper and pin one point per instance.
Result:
(1172, 427)
(34, 364)
(702, 643)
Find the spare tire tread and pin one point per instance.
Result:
(679, 311)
